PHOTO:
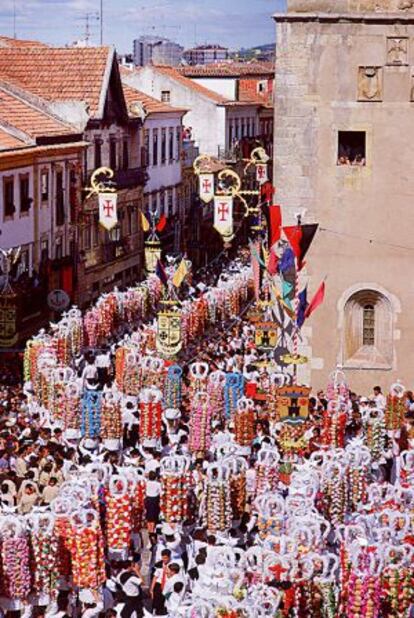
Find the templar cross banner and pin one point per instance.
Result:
(223, 215)
(261, 173)
(108, 216)
(206, 187)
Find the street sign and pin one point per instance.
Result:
(58, 300)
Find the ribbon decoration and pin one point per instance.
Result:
(233, 391)
(91, 414)
(173, 387)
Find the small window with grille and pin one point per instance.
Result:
(368, 333)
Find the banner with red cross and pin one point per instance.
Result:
(108, 216)
(223, 215)
(206, 187)
(261, 173)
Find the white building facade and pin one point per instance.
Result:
(206, 115)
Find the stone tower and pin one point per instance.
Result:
(344, 129)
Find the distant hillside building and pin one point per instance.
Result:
(205, 54)
(156, 50)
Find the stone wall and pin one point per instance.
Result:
(348, 6)
(323, 70)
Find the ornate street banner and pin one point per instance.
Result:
(261, 173)
(265, 335)
(108, 216)
(206, 187)
(169, 341)
(293, 403)
(223, 215)
(152, 255)
(8, 320)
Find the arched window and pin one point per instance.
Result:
(367, 339)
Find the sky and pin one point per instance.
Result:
(234, 23)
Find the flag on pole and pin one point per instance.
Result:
(316, 301)
(255, 250)
(161, 274)
(300, 239)
(275, 227)
(284, 306)
(144, 223)
(180, 274)
(255, 258)
(267, 191)
(287, 261)
(272, 263)
(303, 305)
(160, 227)
(286, 292)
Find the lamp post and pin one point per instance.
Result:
(8, 299)
(152, 245)
(223, 186)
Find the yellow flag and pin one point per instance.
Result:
(144, 223)
(180, 274)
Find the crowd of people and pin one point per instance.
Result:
(230, 509)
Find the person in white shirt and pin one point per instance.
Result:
(380, 400)
(130, 593)
(103, 365)
(175, 599)
(91, 604)
(152, 501)
(175, 575)
(90, 375)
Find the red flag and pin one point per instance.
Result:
(266, 191)
(160, 227)
(300, 238)
(255, 249)
(273, 262)
(275, 217)
(316, 300)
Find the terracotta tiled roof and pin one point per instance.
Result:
(188, 83)
(150, 105)
(59, 74)
(7, 154)
(6, 41)
(249, 91)
(29, 119)
(8, 141)
(243, 103)
(229, 69)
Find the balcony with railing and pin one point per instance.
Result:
(112, 250)
(241, 149)
(189, 152)
(129, 178)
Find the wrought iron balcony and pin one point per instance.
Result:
(129, 178)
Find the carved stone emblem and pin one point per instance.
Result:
(370, 84)
(397, 51)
